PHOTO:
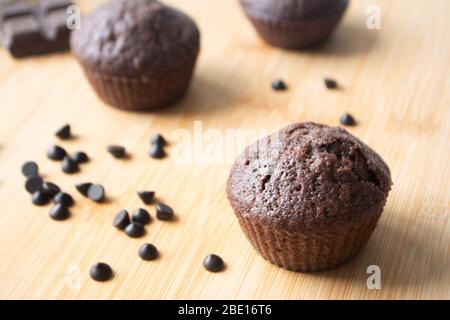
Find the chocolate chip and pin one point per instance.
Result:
(80, 157)
(30, 169)
(148, 252)
(69, 166)
(157, 152)
(64, 199)
(117, 151)
(34, 184)
(146, 196)
(330, 83)
(56, 153)
(158, 139)
(278, 85)
(347, 120)
(164, 212)
(40, 198)
(59, 212)
(121, 220)
(96, 193)
(64, 133)
(142, 216)
(213, 263)
(135, 230)
(101, 272)
(83, 188)
(50, 189)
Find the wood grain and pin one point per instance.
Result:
(395, 81)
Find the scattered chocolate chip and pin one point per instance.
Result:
(330, 83)
(59, 212)
(56, 153)
(50, 189)
(83, 188)
(347, 120)
(96, 193)
(34, 184)
(158, 139)
(121, 220)
(148, 252)
(278, 85)
(64, 133)
(135, 230)
(157, 152)
(30, 169)
(80, 157)
(117, 151)
(40, 198)
(64, 199)
(146, 196)
(213, 263)
(142, 216)
(101, 272)
(69, 166)
(164, 212)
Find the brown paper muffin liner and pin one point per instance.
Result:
(308, 252)
(295, 35)
(143, 93)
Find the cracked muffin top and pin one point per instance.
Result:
(135, 37)
(291, 10)
(308, 176)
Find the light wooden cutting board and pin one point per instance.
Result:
(395, 81)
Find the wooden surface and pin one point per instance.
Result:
(395, 81)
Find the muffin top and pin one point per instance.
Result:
(292, 10)
(308, 177)
(135, 37)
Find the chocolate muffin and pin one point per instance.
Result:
(294, 24)
(137, 54)
(309, 196)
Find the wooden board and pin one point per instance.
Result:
(396, 83)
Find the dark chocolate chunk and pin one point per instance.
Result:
(59, 212)
(118, 152)
(83, 188)
(347, 120)
(148, 252)
(330, 83)
(157, 151)
(96, 193)
(142, 216)
(56, 153)
(40, 198)
(101, 272)
(64, 199)
(30, 169)
(64, 133)
(164, 212)
(50, 189)
(121, 220)
(34, 184)
(278, 85)
(32, 28)
(80, 157)
(69, 166)
(135, 230)
(146, 196)
(158, 139)
(213, 263)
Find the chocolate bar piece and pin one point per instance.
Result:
(29, 28)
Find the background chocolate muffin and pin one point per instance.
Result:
(309, 196)
(137, 54)
(294, 24)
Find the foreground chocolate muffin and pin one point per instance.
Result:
(294, 24)
(137, 54)
(309, 196)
